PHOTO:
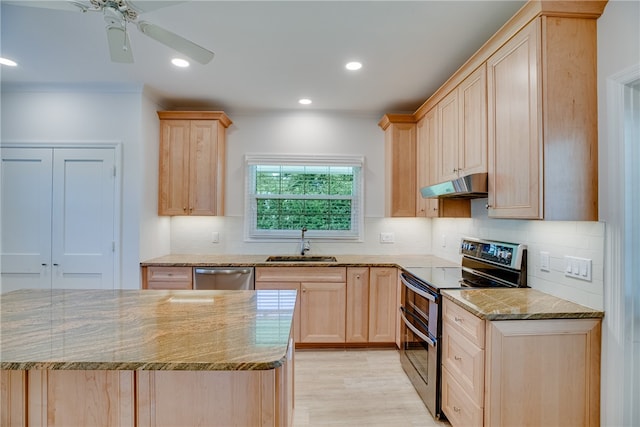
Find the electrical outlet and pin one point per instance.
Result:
(387, 238)
(578, 268)
(544, 261)
(215, 237)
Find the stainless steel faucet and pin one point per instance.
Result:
(305, 245)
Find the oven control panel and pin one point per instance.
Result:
(503, 253)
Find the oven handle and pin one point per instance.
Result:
(415, 330)
(420, 292)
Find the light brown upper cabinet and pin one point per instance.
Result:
(400, 164)
(426, 168)
(192, 162)
(462, 128)
(543, 148)
(427, 174)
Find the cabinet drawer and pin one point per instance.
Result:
(457, 405)
(470, 326)
(169, 278)
(465, 361)
(301, 274)
(169, 274)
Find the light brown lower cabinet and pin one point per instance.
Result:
(520, 372)
(338, 305)
(50, 398)
(161, 277)
(382, 304)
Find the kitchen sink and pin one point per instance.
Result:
(301, 258)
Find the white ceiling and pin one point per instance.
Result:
(268, 53)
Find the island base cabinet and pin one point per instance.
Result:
(543, 373)
(215, 398)
(67, 398)
(13, 398)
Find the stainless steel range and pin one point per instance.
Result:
(485, 263)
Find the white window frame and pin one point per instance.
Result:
(357, 213)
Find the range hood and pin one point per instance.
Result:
(472, 186)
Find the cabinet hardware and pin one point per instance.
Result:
(44, 264)
(487, 206)
(55, 265)
(458, 319)
(457, 357)
(456, 409)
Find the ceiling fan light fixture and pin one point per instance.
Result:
(8, 62)
(179, 62)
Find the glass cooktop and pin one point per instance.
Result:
(438, 277)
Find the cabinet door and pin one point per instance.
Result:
(382, 304)
(26, 218)
(205, 155)
(83, 214)
(58, 225)
(514, 93)
(426, 148)
(173, 197)
(357, 327)
(323, 312)
(400, 170)
(472, 101)
(291, 286)
(448, 134)
(558, 361)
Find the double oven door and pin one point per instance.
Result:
(419, 352)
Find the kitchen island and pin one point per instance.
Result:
(146, 358)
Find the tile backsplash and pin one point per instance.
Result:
(439, 237)
(584, 239)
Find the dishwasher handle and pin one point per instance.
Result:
(222, 271)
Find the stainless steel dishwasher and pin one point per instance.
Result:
(223, 278)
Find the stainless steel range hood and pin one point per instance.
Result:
(472, 186)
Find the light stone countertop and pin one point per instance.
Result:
(200, 260)
(517, 304)
(145, 329)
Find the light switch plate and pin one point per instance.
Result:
(578, 268)
(544, 261)
(387, 238)
(215, 237)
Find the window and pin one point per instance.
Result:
(286, 193)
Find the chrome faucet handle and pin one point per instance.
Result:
(304, 229)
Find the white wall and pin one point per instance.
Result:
(155, 231)
(86, 115)
(618, 60)
(302, 133)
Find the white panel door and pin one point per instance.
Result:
(58, 218)
(82, 240)
(25, 222)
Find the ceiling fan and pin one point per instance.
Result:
(118, 15)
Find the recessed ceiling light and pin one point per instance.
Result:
(353, 66)
(304, 101)
(179, 62)
(10, 63)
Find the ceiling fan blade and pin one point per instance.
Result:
(119, 46)
(174, 41)
(143, 6)
(73, 6)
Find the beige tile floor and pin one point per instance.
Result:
(356, 388)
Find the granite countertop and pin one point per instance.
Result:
(145, 329)
(198, 260)
(517, 304)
